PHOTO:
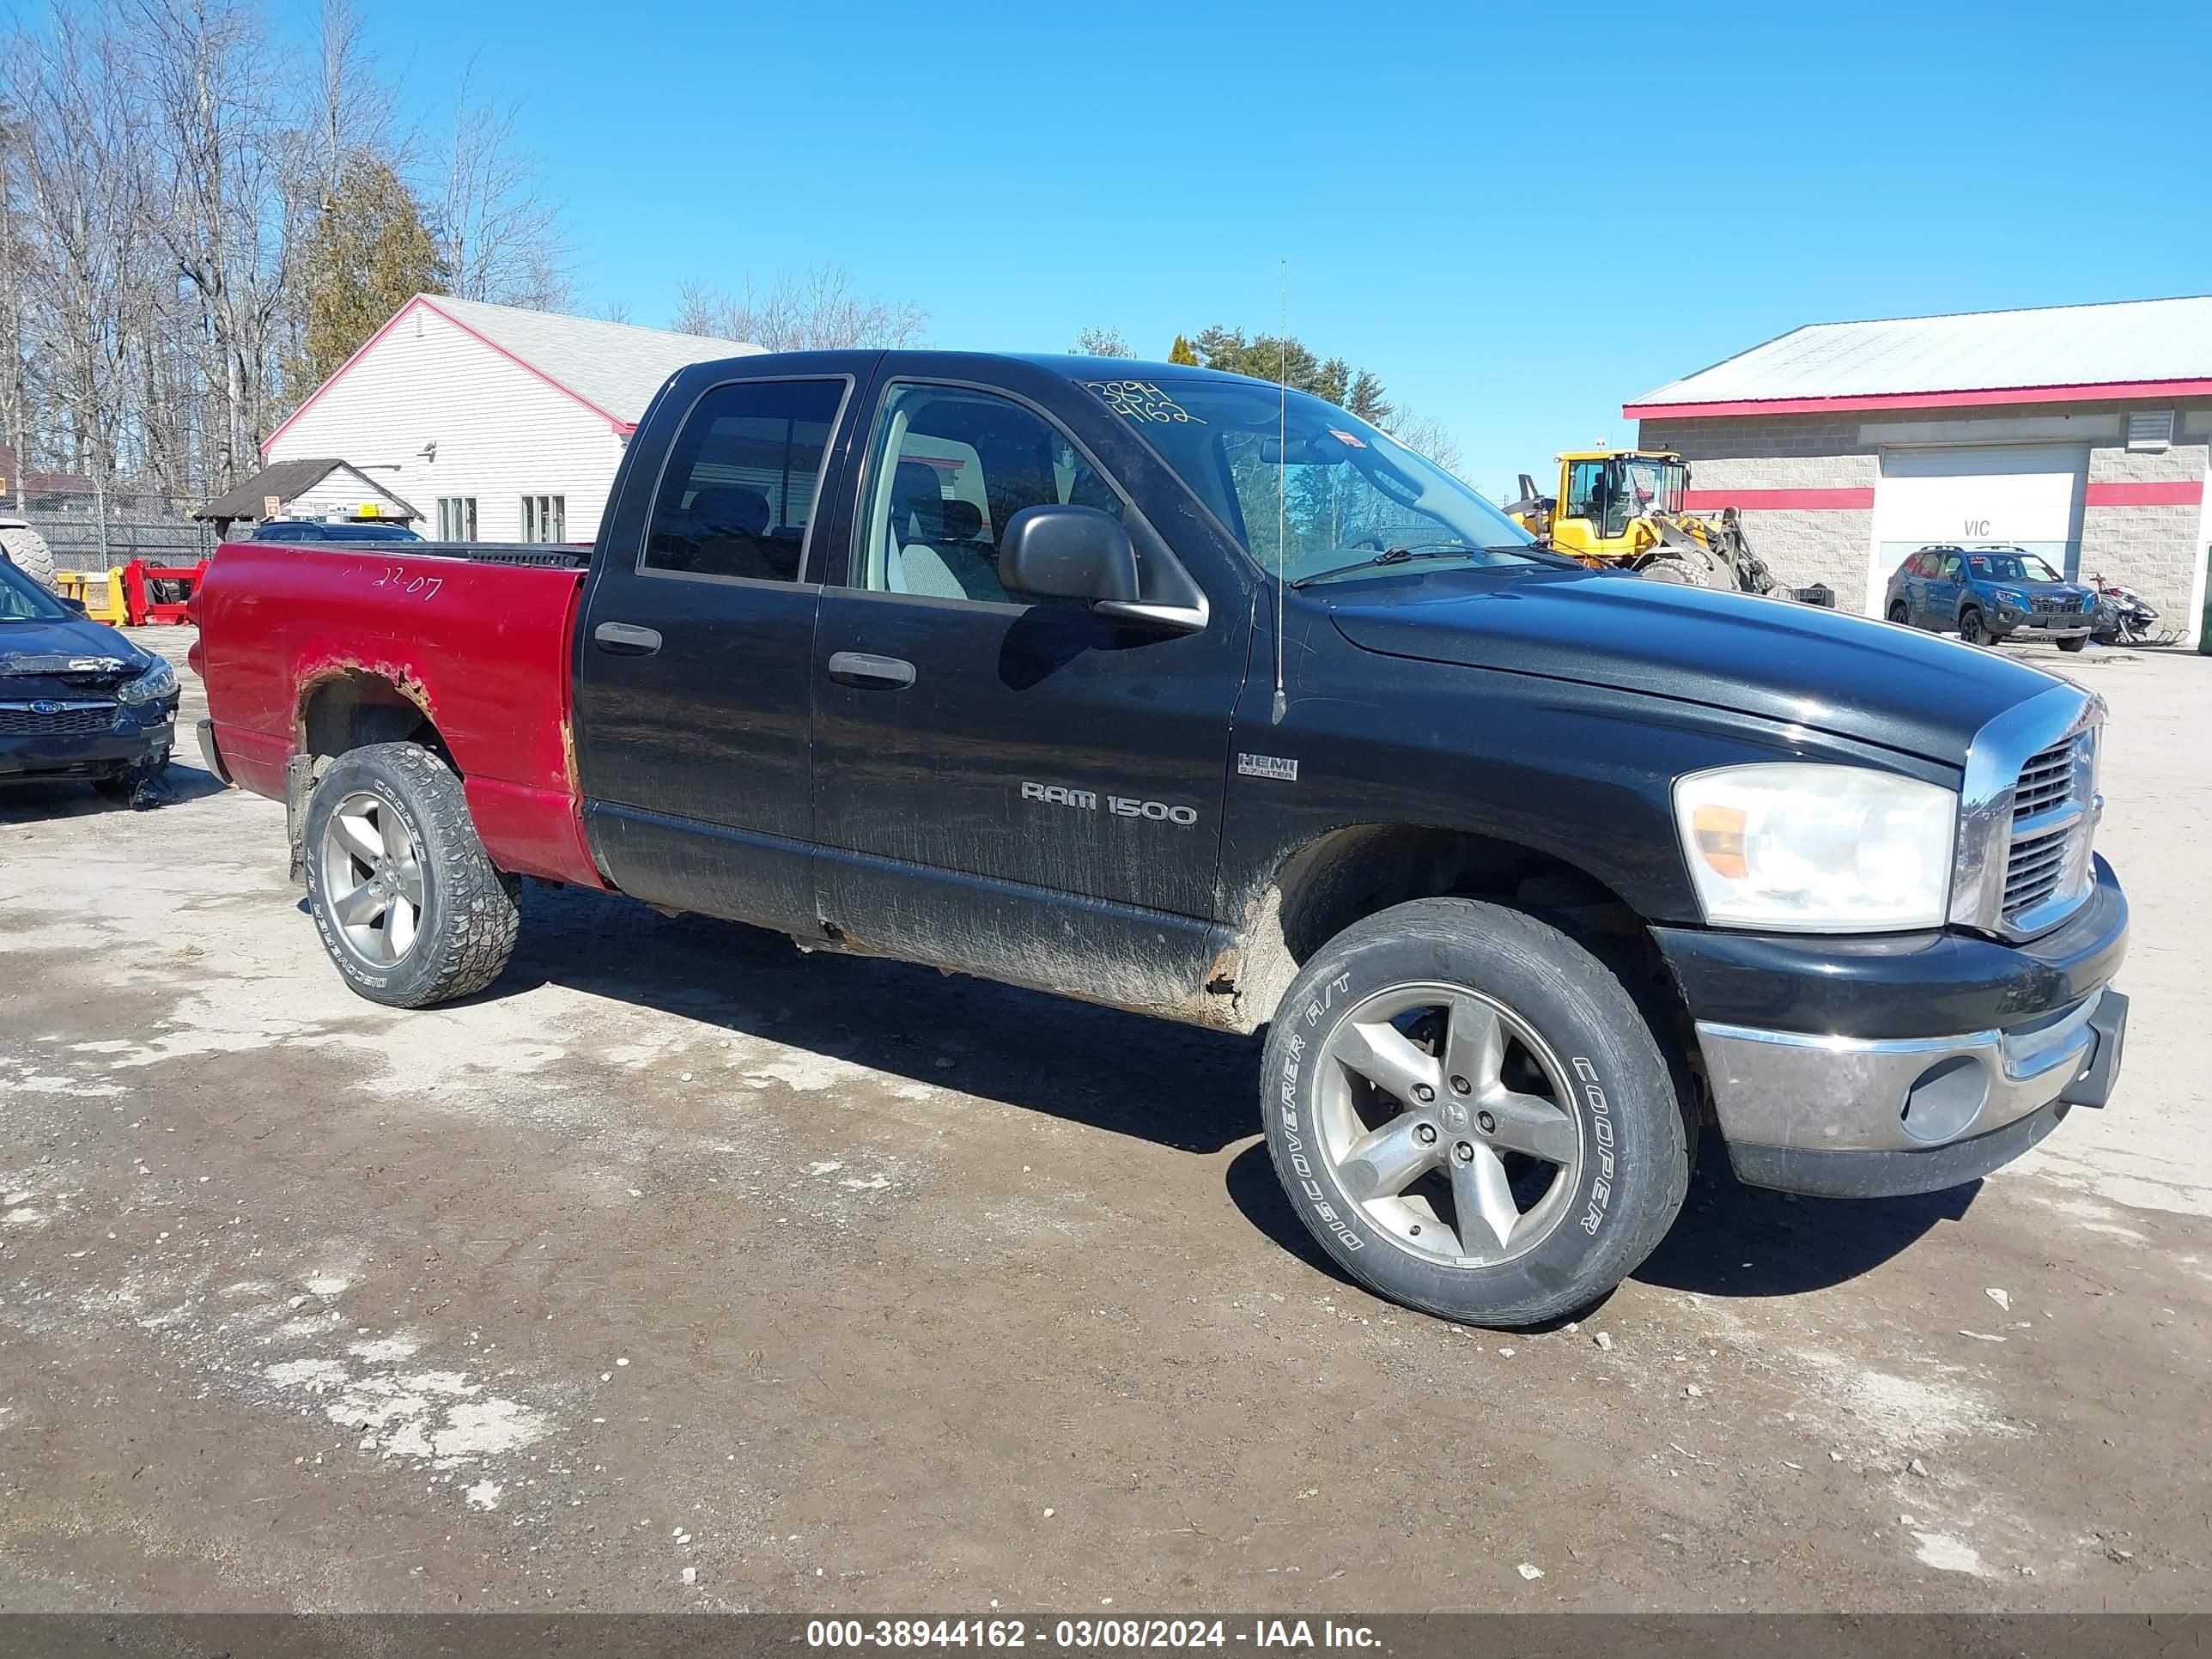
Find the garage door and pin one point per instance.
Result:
(2025, 495)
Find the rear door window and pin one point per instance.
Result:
(738, 497)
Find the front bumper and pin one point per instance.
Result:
(2039, 625)
(40, 759)
(1904, 1064)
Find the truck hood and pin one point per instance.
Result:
(1788, 662)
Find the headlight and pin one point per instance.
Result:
(2007, 596)
(1804, 848)
(159, 681)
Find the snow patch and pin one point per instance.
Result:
(1946, 1554)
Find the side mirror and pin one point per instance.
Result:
(1068, 552)
(75, 605)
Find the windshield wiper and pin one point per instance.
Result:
(1394, 555)
(1416, 551)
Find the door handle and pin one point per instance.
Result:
(626, 639)
(875, 673)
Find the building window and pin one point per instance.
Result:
(457, 518)
(545, 518)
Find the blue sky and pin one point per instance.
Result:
(1518, 218)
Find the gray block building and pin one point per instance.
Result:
(2082, 432)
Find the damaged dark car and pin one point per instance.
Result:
(78, 700)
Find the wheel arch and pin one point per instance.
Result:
(1319, 889)
(350, 706)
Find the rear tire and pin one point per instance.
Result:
(1551, 1152)
(1899, 615)
(409, 905)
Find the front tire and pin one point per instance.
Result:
(409, 905)
(2077, 643)
(1470, 1112)
(1972, 629)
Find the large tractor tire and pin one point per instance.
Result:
(27, 550)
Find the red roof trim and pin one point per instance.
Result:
(615, 422)
(2022, 394)
(284, 425)
(2178, 492)
(1779, 500)
(610, 418)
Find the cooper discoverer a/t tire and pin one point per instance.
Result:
(1470, 1112)
(408, 906)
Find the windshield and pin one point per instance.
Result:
(2011, 568)
(22, 599)
(1308, 489)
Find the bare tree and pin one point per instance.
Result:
(1425, 436)
(817, 311)
(1095, 342)
(498, 234)
(75, 145)
(164, 167)
(225, 203)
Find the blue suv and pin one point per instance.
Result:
(1989, 594)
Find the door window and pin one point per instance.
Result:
(738, 493)
(949, 468)
(1952, 568)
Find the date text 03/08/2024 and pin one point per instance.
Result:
(1085, 1634)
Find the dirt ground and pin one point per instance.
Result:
(683, 1271)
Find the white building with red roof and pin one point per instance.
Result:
(498, 424)
(2082, 432)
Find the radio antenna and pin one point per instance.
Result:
(1282, 471)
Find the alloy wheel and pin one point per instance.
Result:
(1450, 1120)
(372, 879)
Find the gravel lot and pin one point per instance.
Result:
(683, 1271)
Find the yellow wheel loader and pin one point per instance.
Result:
(1622, 508)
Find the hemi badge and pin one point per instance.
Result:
(1268, 766)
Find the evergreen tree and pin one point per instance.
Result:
(369, 254)
(1267, 357)
(1181, 353)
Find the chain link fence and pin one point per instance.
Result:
(86, 533)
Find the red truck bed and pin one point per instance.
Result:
(481, 648)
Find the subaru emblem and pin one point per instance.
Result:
(44, 706)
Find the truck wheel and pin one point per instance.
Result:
(408, 905)
(1972, 629)
(1472, 1115)
(1899, 615)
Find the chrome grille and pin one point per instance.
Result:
(59, 719)
(2034, 869)
(2045, 781)
(2053, 816)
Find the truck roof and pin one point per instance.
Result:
(1070, 365)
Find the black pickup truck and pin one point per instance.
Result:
(1177, 691)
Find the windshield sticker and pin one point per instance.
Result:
(1339, 432)
(1141, 400)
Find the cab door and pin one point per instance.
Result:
(1022, 787)
(695, 644)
